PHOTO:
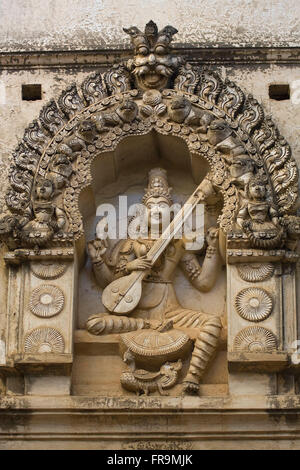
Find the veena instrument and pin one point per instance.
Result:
(123, 295)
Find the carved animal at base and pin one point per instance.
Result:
(143, 381)
(125, 113)
(181, 111)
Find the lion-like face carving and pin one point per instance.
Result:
(153, 68)
(153, 64)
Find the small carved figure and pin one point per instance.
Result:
(125, 113)
(258, 217)
(181, 111)
(152, 65)
(143, 381)
(48, 218)
(220, 135)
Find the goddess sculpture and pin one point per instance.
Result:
(159, 306)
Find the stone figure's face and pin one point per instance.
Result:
(158, 212)
(44, 189)
(257, 190)
(153, 66)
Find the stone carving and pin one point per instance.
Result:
(140, 380)
(70, 102)
(131, 260)
(261, 224)
(255, 339)
(254, 304)
(126, 112)
(156, 346)
(48, 269)
(153, 105)
(46, 301)
(93, 88)
(117, 79)
(252, 174)
(44, 340)
(152, 65)
(180, 110)
(232, 123)
(51, 118)
(114, 324)
(291, 224)
(187, 78)
(256, 272)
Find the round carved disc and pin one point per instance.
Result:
(255, 272)
(255, 339)
(47, 269)
(46, 301)
(44, 340)
(253, 304)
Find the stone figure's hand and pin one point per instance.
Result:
(96, 249)
(139, 264)
(212, 237)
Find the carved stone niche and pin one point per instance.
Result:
(103, 138)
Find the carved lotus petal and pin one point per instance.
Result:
(255, 339)
(253, 304)
(46, 301)
(152, 97)
(47, 269)
(255, 272)
(44, 340)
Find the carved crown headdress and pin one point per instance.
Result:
(158, 185)
(151, 37)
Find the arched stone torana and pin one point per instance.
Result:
(153, 91)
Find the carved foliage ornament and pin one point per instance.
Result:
(219, 122)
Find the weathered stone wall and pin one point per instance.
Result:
(28, 25)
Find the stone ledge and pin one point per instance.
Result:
(269, 362)
(90, 422)
(94, 59)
